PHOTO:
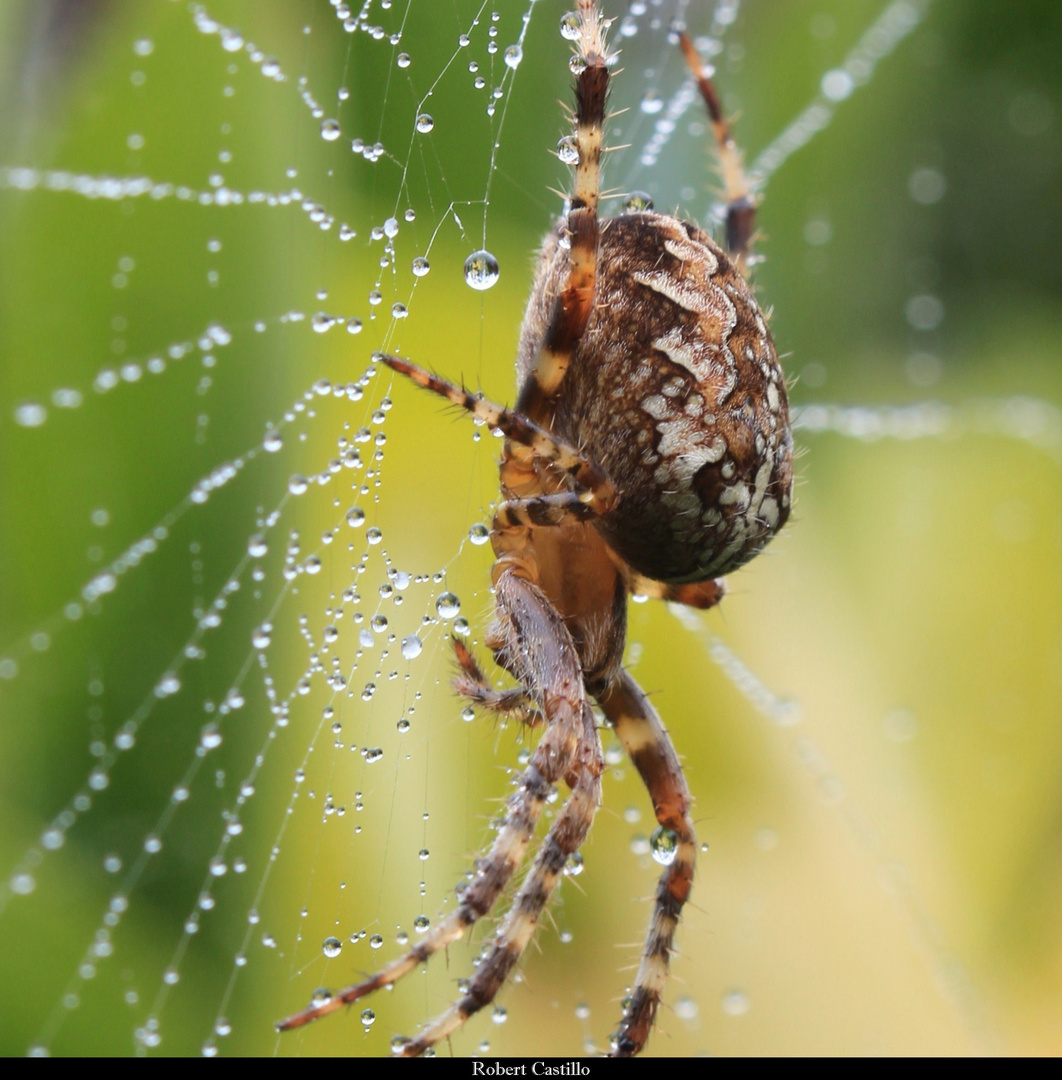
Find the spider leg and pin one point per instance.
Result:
(473, 684)
(550, 665)
(593, 491)
(563, 840)
(572, 307)
(700, 594)
(741, 208)
(650, 750)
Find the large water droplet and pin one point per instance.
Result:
(420, 266)
(332, 947)
(425, 122)
(447, 605)
(412, 647)
(481, 270)
(570, 26)
(513, 55)
(664, 845)
(330, 130)
(568, 149)
(637, 201)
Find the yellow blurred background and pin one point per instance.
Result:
(870, 724)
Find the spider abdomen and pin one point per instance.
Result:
(675, 390)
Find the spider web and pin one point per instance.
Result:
(234, 773)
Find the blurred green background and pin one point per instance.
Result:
(883, 876)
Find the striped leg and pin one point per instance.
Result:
(700, 594)
(550, 666)
(572, 307)
(741, 209)
(474, 685)
(649, 748)
(592, 492)
(564, 838)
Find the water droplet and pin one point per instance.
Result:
(23, 884)
(447, 605)
(298, 484)
(330, 130)
(837, 84)
(479, 534)
(402, 60)
(261, 638)
(574, 866)
(368, 1017)
(571, 26)
(481, 270)
(167, 686)
(257, 547)
(425, 122)
(31, 415)
(652, 103)
(735, 1003)
(637, 201)
(513, 55)
(332, 947)
(500, 1014)
(412, 647)
(272, 441)
(640, 844)
(568, 149)
(420, 266)
(421, 924)
(664, 843)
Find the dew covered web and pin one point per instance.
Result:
(234, 548)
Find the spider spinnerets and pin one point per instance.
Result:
(649, 452)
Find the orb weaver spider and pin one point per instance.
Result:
(649, 452)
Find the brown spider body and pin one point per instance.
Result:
(675, 391)
(649, 452)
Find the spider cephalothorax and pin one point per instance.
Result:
(649, 451)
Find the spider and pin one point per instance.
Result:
(648, 452)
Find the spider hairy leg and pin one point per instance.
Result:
(573, 305)
(563, 840)
(471, 683)
(701, 594)
(592, 492)
(568, 748)
(741, 209)
(639, 729)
